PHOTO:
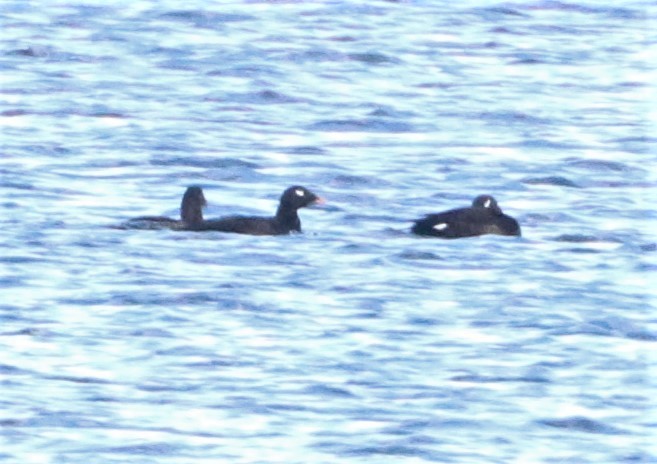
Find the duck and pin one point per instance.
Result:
(484, 217)
(191, 214)
(285, 221)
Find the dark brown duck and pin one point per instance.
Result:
(285, 220)
(483, 217)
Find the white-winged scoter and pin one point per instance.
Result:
(285, 221)
(483, 217)
(191, 214)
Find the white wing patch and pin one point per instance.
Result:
(299, 192)
(440, 226)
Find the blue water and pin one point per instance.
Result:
(354, 342)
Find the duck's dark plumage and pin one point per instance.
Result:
(191, 207)
(483, 217)
(285, 221)
(191, 214)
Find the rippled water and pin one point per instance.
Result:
(354, 342)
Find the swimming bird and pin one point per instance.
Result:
(285, 220)
(483, 217)
(191, 214)
(191, 207)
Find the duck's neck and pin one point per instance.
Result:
(192, 216)
(288, 218)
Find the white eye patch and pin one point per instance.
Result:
(299, 192)
(441, 226)
(487, 204)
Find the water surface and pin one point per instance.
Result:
(354, 342)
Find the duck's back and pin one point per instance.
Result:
(465, 222)
(455, 223)
(152, 223)
(250, 225)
